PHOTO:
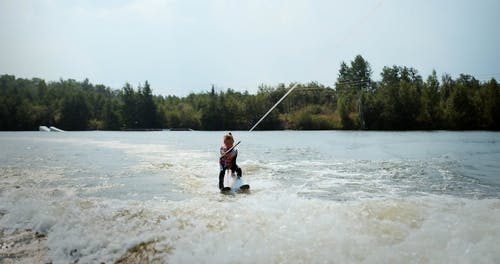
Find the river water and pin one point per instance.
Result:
(330, 196)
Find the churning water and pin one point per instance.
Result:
(336, 197)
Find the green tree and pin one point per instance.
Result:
(74, 113)
(460, 111)
(111, 116)
(130, 107)
(352, 82)
(146, 107)
(210, 117)
(430, 111)
(491, 112)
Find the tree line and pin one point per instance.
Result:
(401, 100)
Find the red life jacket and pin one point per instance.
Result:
(227, 160)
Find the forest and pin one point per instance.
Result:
(401, 100)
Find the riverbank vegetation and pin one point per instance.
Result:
(401, 100)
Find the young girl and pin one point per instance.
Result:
(228, 160)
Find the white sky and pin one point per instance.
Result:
(183, 46)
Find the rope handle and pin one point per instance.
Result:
(230, 149)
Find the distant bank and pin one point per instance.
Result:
(401, 100)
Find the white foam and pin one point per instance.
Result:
(272, 226)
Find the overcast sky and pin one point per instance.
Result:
(183, 46)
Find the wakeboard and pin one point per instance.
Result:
(245, 188)
(226, 190)
(234, 184)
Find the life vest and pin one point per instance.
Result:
(227, 160)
